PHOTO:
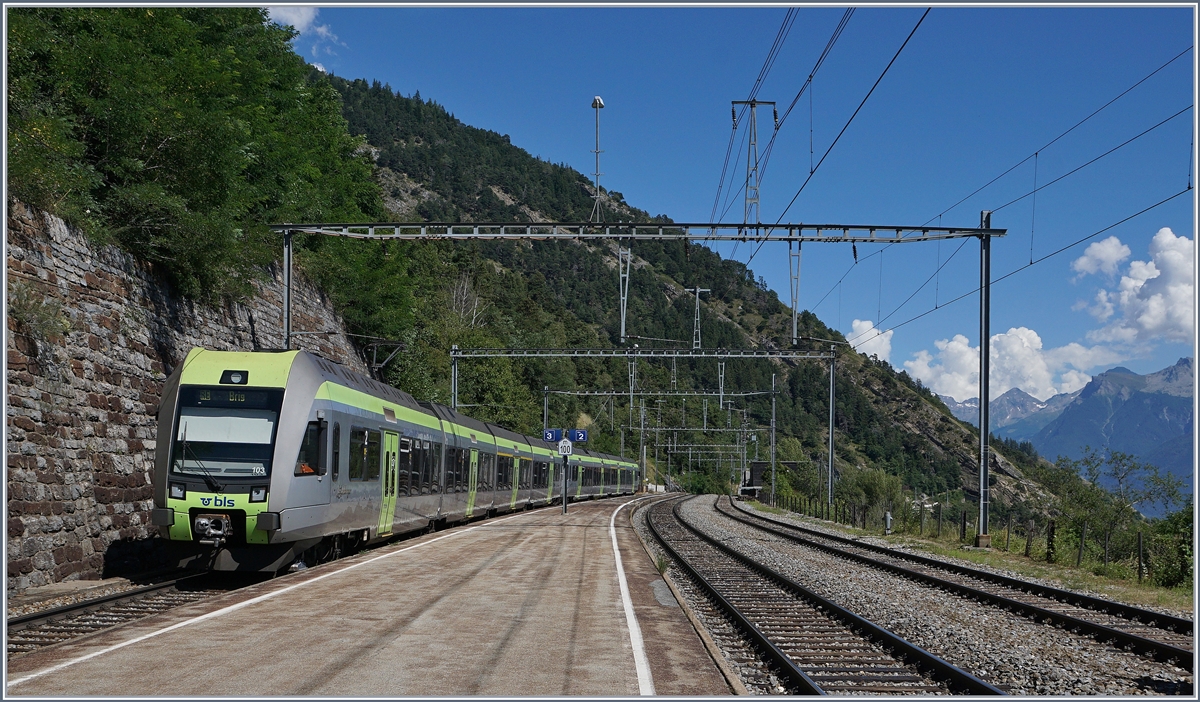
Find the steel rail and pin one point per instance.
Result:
(1161, 651)
(26, 621)
(956, 677)
(1168, 622)
(797, 678)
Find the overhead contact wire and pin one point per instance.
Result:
(1106, 153)
(1043, 148)
(844, 128)
(780, 35)
(1013, 272)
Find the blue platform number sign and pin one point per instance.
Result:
(577, 435)
(552, 435)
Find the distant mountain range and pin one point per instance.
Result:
(1149, 416)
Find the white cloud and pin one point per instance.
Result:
(866, 339)
(301, 18)
(1101, 256)
(1155, 298)
(304, 19)
(1073, 380)
(1017, 360)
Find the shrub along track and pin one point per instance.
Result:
(812, 645)
(1162, 636)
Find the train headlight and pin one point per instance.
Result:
(258, 494)
(178, 491)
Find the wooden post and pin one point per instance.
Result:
(939, 531)
(1050, 550)
(1106, 534)
(1008, 532)
(962, 527)
(1082, 541)
(1141, 559)
(1029, 539)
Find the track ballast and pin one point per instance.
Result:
(813, 645)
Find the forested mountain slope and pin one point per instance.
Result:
(546, 294)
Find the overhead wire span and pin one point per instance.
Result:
(1106, 153)
(1033, 214)
(1052, 141)
(1068, 131)
(785, 28)
(780, 37)
(844, 128)
(1034, 193)
(807, 87)
(1013, 272)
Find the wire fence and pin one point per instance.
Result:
(1166, 560)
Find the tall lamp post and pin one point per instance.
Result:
(598, 105)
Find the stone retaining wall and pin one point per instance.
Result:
(92, 335)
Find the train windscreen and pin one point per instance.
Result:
(225, 432)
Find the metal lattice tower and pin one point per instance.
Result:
(624, 265)
(794, 273)
(752, 213)
(696, 330)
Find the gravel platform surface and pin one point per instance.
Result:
(1005, 649)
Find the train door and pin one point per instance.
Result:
(391, 447)
(516, 482)
(472, 481)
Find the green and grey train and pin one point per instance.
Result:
(271, 459)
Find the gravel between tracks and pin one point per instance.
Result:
(738, 653)
(997, 646)
(19, 606)
(825, 527)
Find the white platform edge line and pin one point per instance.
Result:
(234, 607)
(640, 662)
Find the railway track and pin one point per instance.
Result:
(812, 645)
(37, 630)
(1164, 637)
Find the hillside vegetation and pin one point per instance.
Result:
(180, 133)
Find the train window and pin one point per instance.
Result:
(420, 457)
(503, 471)
(426, 467)
(435, 485)
(310, 449)
(448, 478)
(404, 467)
(373, 450)
(358, 452)
(485, 477)
(337, 450)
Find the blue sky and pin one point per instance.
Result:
(975, 92)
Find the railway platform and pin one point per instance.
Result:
(535, 603)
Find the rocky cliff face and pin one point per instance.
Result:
(92, 335)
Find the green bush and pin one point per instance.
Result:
(178, 133)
